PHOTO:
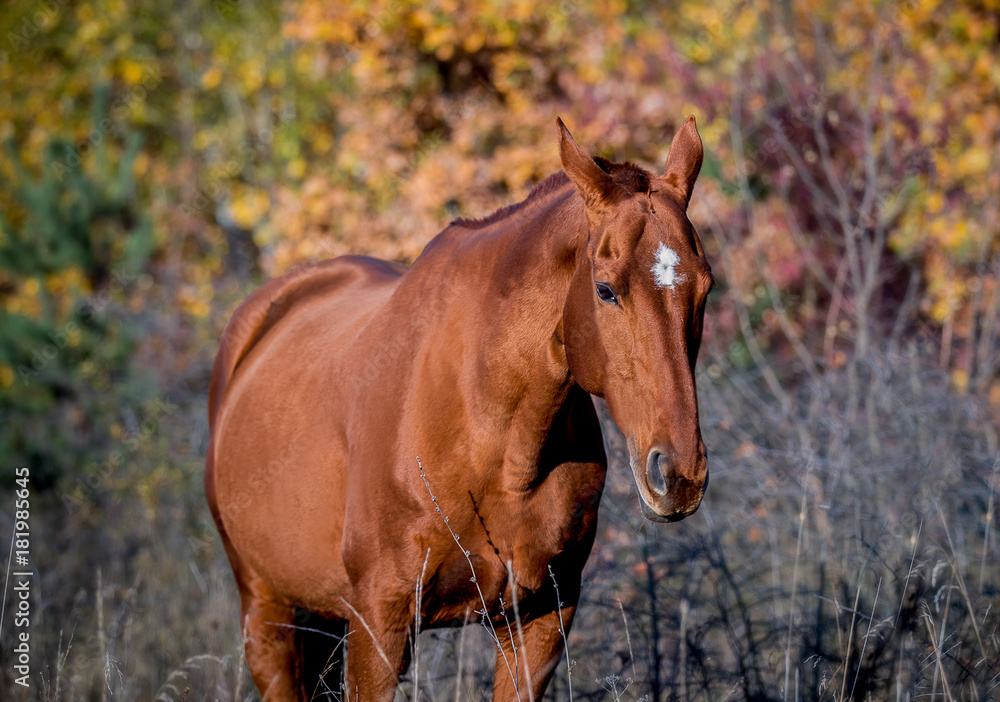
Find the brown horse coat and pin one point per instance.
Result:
(332, 380)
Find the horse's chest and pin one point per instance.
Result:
(462, 587)
(511, 553)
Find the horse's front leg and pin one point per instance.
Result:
(538, 657)
(377, 651)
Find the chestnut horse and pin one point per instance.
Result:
(478, 359)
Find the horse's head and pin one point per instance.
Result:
(633, 319)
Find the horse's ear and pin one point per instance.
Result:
(684, 160)
(594, 184)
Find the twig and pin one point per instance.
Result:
(461, 651)
(562, 630)
(487, 622)
(416, 628)
(861, 657)
(520, 632)
(370, 633)
(628, 638)
(795, 585)
(850, 634)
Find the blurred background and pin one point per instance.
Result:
(161, 160)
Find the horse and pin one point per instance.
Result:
(396, 449)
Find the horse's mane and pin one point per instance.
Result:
(630, 176)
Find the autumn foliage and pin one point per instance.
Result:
(851, 180)
(162, 159)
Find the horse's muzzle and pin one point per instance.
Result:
(666, 491)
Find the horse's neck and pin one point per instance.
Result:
(523, 292)
(521, 300)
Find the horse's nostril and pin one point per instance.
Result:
(654, 472)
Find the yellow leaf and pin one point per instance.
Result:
(960, 380)
(211, 78)
(935, 201)
(296, 168)
(974, 162)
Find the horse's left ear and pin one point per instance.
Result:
(684, 161)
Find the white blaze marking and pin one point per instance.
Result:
(664, 270)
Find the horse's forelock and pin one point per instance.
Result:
(633, 178)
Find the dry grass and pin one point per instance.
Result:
(844, 551)
(838, 555)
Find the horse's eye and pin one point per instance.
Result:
(605, 292)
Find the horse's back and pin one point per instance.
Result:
(275, 474)
(270, 303)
